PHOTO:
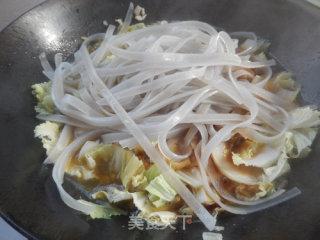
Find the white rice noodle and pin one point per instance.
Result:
(64, 138)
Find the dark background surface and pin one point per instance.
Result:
(28, 197)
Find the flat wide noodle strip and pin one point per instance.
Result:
(62, 119)
(47, 69)
(102, 50)
(131, 142)
(63, 140)
(160, 83)
(269, 97)
(127, 19)
(215, 118)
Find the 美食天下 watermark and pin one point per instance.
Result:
(137, 222)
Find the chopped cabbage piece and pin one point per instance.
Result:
(136, 26)
(132, 173)
(41, 91)
(284, 86)
(265, 158)
(113, 194)
(149, 212)
(159, 187)
(142, 202)
(106, 211)
(152, 172)
(156, 201)
(303, 131)
(140, 13)
(290, 95)
(280, 168)
(121, 162)
(160, 192)
(81, 172)
(304, 117)
(298, 142)
(49, 133)
(284, 80)
(255, 192)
